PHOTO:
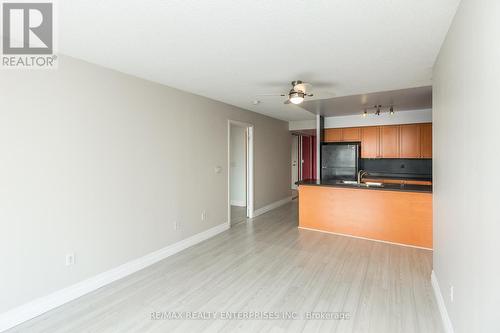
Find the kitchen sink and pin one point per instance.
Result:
(374, 184)
(349, 182)
(367, 184)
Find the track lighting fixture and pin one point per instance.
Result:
(378, 110)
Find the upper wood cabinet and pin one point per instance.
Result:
(426, 140)
(393, 141)
(370, 142)
(409, 141)
(389, 141)
(351, 134)
(333, 134)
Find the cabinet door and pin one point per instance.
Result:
(389, 142)
(409, 141)
(351, 134)
(426, 140)
(370, 142)
(333, 135)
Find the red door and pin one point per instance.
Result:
(306, 157)
(313, 156)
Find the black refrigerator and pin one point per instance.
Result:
(339, 161)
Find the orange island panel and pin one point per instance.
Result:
(391, 216)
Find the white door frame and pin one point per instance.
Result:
(250, 172)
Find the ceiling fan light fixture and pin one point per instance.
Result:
(296, 97)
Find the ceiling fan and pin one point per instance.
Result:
(296, 95)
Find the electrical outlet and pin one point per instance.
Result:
(203, 215)
(451, 293)
(70, 259)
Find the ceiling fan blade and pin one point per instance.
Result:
(264, 95)
(321, 94)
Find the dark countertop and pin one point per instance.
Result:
(398, 177)
(385, 187)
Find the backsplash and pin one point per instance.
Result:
(398, 167)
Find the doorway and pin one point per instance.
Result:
(303, 157)
(240, 172)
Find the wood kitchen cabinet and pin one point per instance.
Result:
(393, 141)
(426, 140)
(389, 141)
(409, 141)
(370, 142)
(351, 134)
(333, 135)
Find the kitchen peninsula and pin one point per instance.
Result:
(392, 203)
(393, 213)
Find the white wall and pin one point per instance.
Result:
(102, 164)
(401, 117)
(238, 166)
(297, 125)
(466, 154)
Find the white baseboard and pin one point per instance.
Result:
(448, 327)
(41, 305)
(238, 203)
(271, 206)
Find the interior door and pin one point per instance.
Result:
(295, 161)
(306, 158)
(314, 157)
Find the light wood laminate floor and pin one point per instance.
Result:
(238, 214)
(267, 264)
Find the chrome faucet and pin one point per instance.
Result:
(361, 173)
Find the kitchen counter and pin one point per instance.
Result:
(398, 177)
(394, 213)
(385, 187)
